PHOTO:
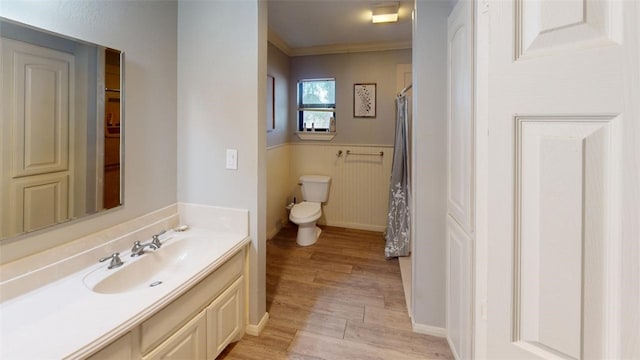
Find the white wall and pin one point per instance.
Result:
(429, 165)
(222, 71)
(370, 67)
(146, 32)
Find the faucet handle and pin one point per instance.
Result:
(115, 260)
(156, 239)
(156, 236)
(137, 249)
(116, 254)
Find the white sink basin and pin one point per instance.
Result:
(179, 255)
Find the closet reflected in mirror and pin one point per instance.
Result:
(61, 126)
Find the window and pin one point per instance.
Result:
(316, 104)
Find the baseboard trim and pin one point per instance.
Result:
(255, 330)
(430, 330)
(453, 349)
(357, 226)
(271, 233)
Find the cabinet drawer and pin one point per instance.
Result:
(120, 349)
(179, 312)
(190, 342)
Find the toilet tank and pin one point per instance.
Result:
(315, 187)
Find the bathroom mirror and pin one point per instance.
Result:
(60, 129)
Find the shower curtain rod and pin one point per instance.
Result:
(403, 91)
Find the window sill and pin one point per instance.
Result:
(310, 135)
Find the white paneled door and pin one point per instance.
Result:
(564, 184)
(35, 142)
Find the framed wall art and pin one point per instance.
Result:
(364, 100)
(271, 99)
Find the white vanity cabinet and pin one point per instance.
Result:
(197, 325)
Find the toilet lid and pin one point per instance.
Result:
(305, 210)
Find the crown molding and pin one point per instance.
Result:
(277, 41)
(350, 48)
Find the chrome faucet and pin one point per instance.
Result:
(115, 260)
(138, 248)
(155, 244)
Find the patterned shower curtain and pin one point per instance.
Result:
(397, 235)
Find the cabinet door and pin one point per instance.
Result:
(225, 319)
(187, 343)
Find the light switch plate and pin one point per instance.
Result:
(232, 159)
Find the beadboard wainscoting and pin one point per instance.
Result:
(359, 194)
(358, 198)
(280, 188)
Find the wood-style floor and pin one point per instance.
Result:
(336, 299)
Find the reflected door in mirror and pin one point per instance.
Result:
(60, 129)
(37, 170)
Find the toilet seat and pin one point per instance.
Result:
(305, 212)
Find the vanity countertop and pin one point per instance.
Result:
(65, 319)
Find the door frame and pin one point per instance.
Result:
(461, 224)
(481, 171)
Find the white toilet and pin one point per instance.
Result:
(315, 191)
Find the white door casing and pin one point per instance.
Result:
(563, 180)
(36, 141)
(404, 78)
(460, 180)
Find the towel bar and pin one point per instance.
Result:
(381, 153)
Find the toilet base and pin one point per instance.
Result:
(308, 234)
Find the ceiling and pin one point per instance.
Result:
(304, 27)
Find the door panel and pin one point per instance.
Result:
(563, 180)
(41, 89)
(562, 168)
(460, 120)
(40, 201)
(544, 27)
(36, 150)
(459, 294)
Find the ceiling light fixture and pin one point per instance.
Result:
(385, 13)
